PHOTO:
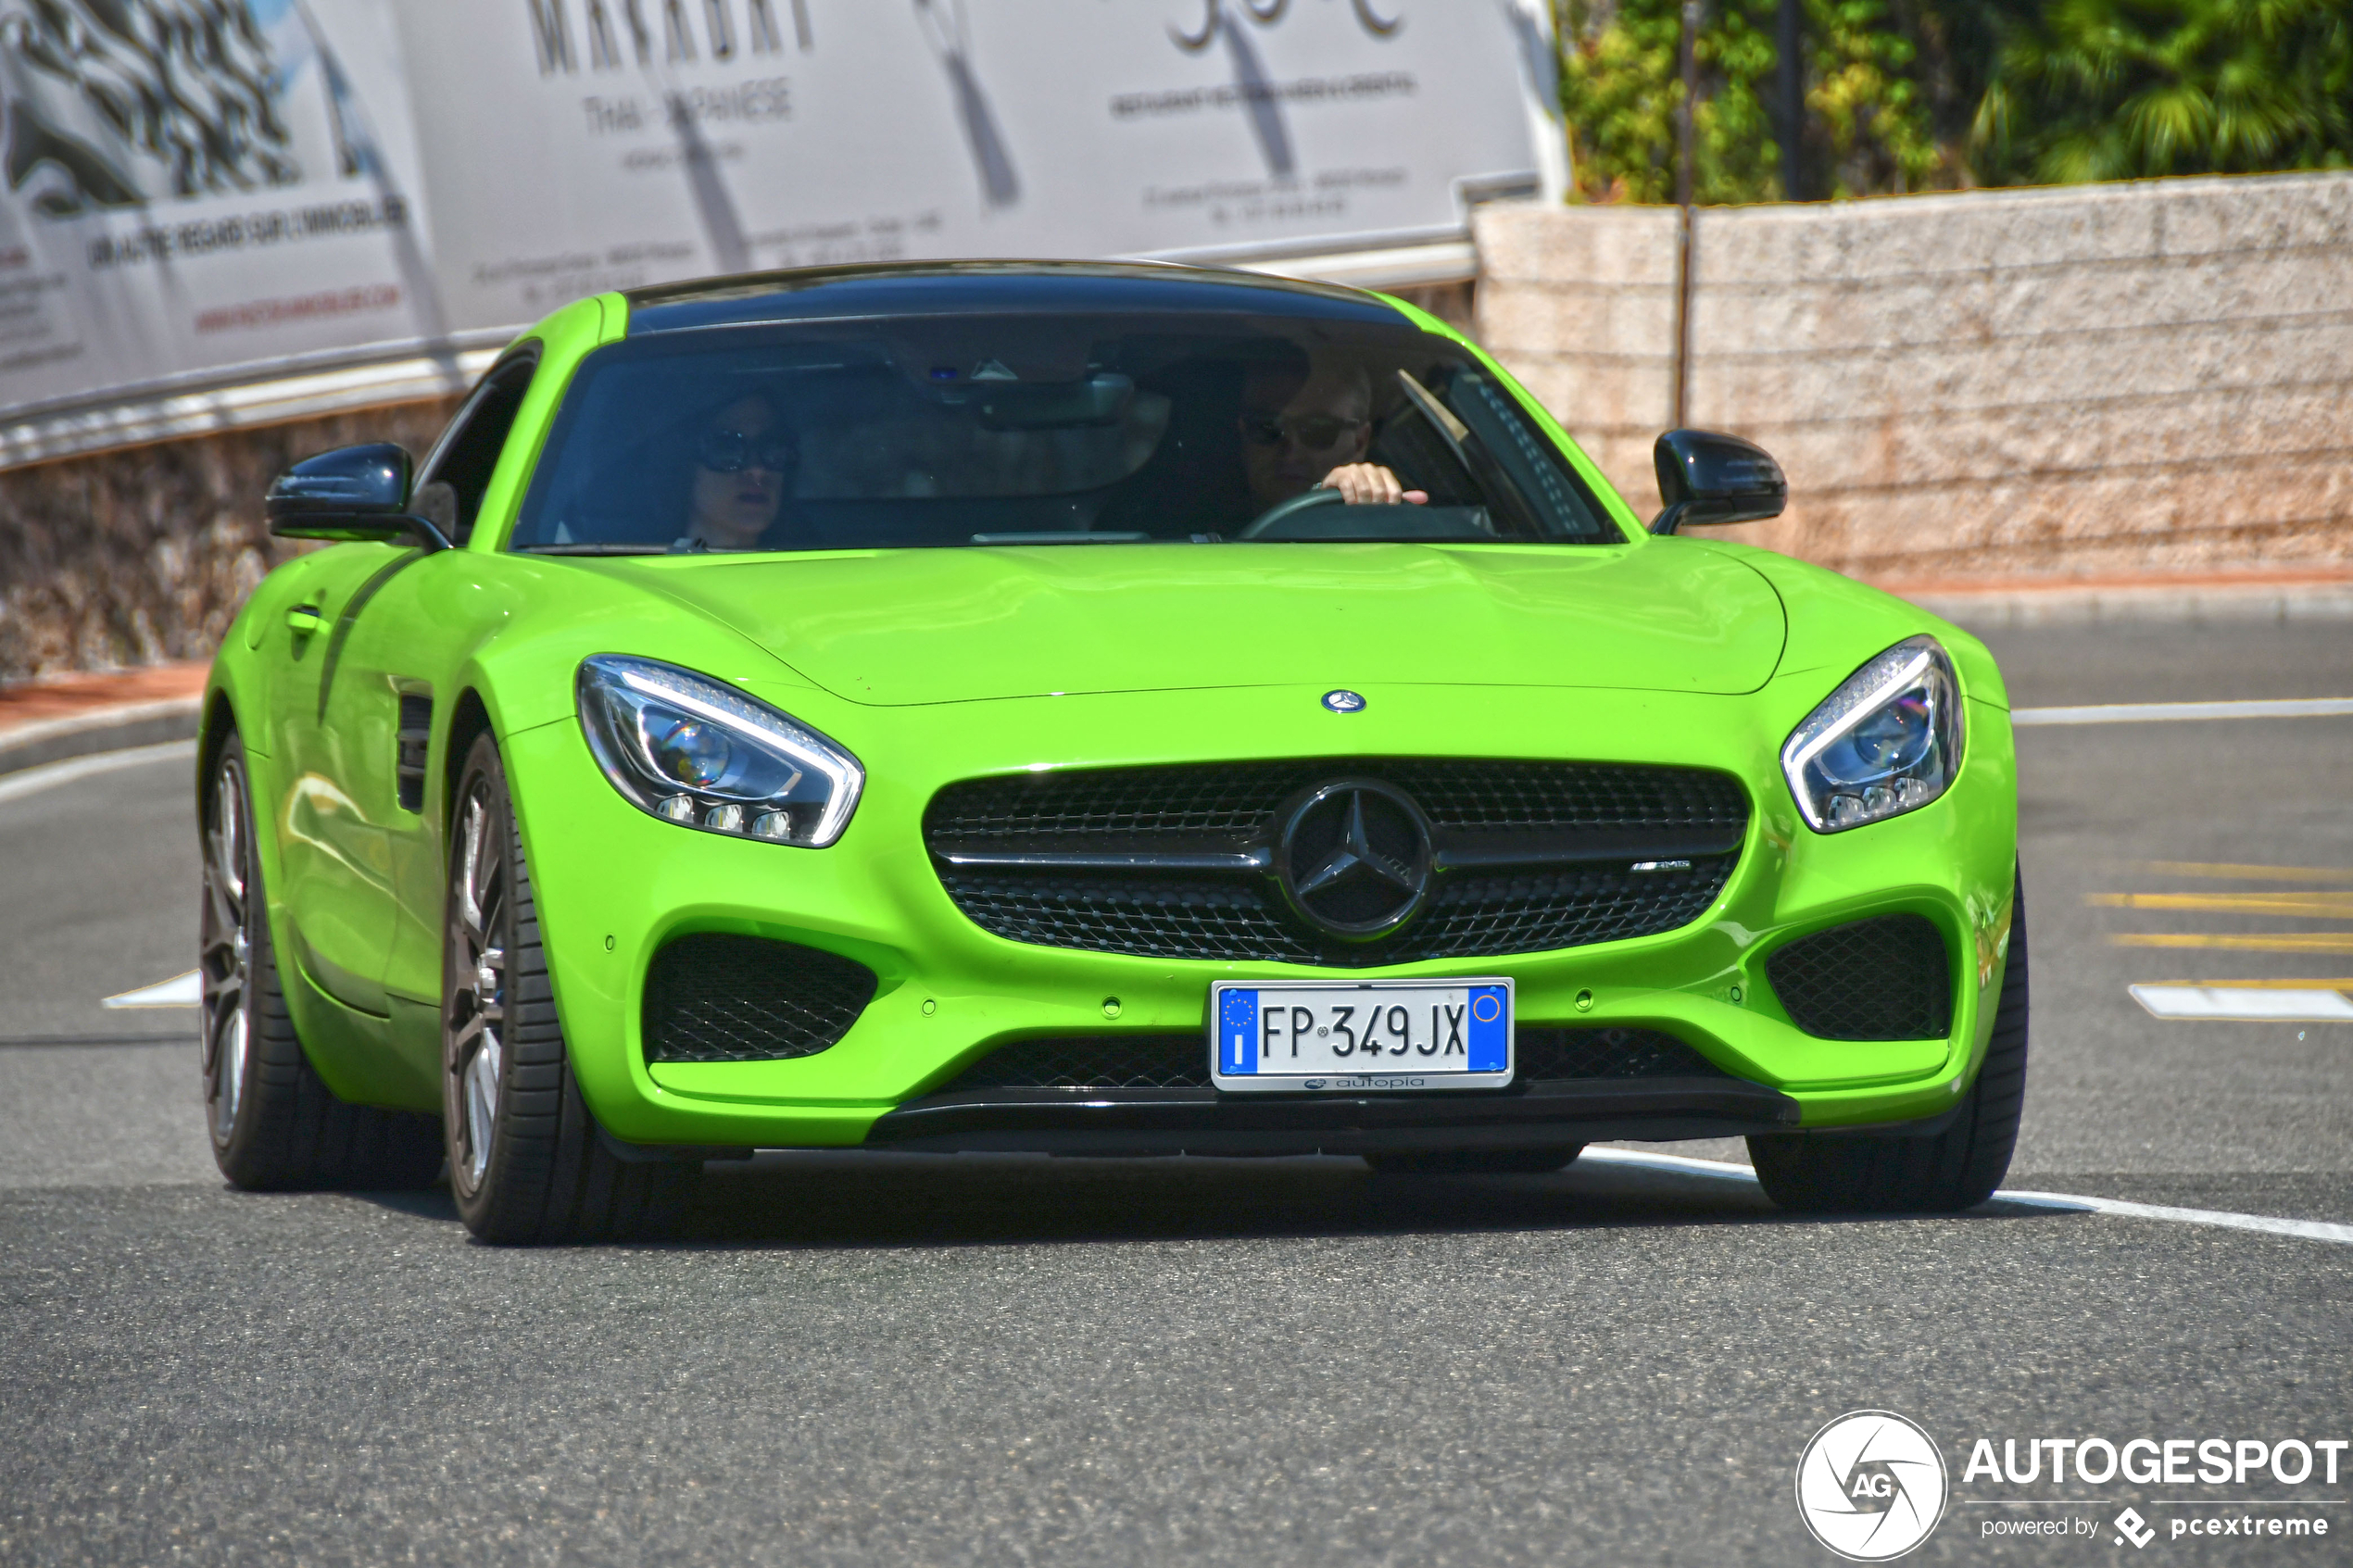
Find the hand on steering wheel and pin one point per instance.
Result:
(1355, 484)
(1371, 484)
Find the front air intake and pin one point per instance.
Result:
(1887, 978)
(713, 997)
(1551, 1053)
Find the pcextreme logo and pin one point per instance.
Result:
(1871, 1486)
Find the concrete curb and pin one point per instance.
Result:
(2101, 604)
(117, 728)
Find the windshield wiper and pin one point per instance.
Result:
(1062, 538)
(594, 550)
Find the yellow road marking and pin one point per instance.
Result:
(2274, 942)
(2346, 985)
(2247, 873)
(2314, 906)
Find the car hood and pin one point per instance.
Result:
(894, 627)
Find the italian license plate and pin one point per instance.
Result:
(1315, 1037)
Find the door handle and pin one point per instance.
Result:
(303, 619)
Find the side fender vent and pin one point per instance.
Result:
(416, 738)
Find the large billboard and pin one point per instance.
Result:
(199, 193)
(200, 184)
(572, 145)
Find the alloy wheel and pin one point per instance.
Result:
(474, 1018)
(227, 950)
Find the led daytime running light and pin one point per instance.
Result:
(1858, 707)
(777, 780)
(1865, 789)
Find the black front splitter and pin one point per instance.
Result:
(1544, 1114)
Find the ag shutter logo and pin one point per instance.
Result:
(1871, 1486)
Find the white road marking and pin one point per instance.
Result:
(2248, 1005)
(179, 991)
(1677, 1165)
(2309, 1230)
(16, 786)
(2154, 712)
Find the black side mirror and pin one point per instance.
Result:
(1705, 476)
(351, 492)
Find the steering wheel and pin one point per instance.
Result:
(1306, 500)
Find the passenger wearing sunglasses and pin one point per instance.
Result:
(1307, 427)
(743, 462)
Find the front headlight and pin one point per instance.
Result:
(694, 751)
(1888, 741)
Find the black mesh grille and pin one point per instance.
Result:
(714, 998)
(1569, 795)
(1234, 799)
(1470, 805)
(1608, 1053)
(1181, 1062)
(1111, 914)
(1474, 917)
(1479, 916)
(1887, 978)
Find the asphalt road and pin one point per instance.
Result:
(882, 1360)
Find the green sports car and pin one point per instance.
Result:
(1078, 708)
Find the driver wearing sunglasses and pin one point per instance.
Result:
(744, 458)
(1311, 431)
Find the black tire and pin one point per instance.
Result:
(275, 1125)
(1957, 1169)
(528, 1163)
(1477, 1161)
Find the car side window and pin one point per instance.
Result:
(457, 473)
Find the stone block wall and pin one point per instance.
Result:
(2092, 383)
(2147, 380)
(138, 557)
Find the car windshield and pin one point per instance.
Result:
(1028, 429)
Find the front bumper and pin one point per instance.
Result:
(1153, 1122)
(614, 885)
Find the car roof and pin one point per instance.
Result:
(958, 288)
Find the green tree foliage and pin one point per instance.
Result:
(1869, 126)
(1908, 94)
(2079, 90)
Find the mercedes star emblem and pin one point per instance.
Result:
(1354, 858)
(1344, 702)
